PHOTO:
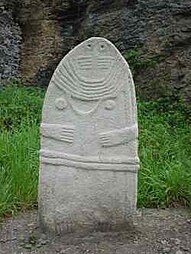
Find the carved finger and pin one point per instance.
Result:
(69, 129)
(67, 139)
(104, 138)
(105, 142)
(65, 134)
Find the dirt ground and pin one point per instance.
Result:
(151, 231)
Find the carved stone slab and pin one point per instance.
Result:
(88, 157)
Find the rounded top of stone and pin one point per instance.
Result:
(97, 45)
(92, 70)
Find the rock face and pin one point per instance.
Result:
(10, 42)
(89, 157)
(158, 32)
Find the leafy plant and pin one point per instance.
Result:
(137, 62)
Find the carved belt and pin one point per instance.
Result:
(114, 163)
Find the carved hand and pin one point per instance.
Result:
(120, 136)
(59, 132)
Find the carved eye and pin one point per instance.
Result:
(61, 103)
(102, 47)
(109, 104)
(89, 46)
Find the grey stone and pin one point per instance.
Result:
(89, 159)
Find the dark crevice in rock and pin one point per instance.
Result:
(71, 18)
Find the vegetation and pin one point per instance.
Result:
(20, 110)
(137, 62)
(165, 154)
(165, 151)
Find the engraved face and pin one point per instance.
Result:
(95, 61)
(91, 71)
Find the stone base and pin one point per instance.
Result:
(73, 200)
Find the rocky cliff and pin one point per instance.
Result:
(154, 36)
(10, 43)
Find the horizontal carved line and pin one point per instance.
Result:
(67, 131)
(87, 94)
(85, 65)
(69, 83)
(104, 139)
(90, 159)
(66, 134)
(98, 92)
(91, 166)
(86, 89)
(97, 86)
(85, 68)
(68, 128)
(85, 62)
(66, 140)
(105, 58)
(66, 137)
(105, 80)
(84, 57)
(104, 62)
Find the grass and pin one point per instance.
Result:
(164, 149)
(165, 154)
(20, 112)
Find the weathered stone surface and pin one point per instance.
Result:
(89, 160)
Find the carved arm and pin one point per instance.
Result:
(59, 132)
(116, 137)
